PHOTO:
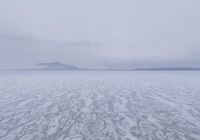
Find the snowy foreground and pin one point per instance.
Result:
(89, 105)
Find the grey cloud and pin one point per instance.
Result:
(106, 33)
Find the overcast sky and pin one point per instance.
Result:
(100, 33)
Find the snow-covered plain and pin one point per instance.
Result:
(99, 105)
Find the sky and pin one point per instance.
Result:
(100, 33)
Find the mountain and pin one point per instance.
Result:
(57, 66)
(170, 69)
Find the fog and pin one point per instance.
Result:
(100, 34)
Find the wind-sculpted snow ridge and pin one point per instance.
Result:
(100, 106)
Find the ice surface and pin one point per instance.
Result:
(97, 105)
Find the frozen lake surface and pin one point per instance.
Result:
(99, 105)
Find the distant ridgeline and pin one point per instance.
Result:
(57, 66)
(61, 66)
(170, 69)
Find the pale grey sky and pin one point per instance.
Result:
(100, 33)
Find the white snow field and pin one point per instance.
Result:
(99, 105)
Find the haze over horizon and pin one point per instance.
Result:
(100, 34)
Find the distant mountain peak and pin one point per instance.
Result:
(57, 66)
